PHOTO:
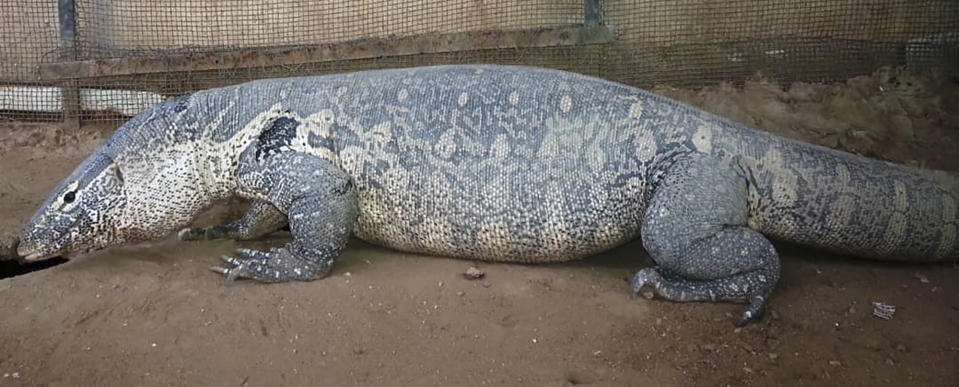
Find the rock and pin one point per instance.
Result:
(473, 273)
(902, 127)
(8, 247)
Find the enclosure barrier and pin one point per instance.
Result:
(109, 59)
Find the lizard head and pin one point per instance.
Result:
(141, 184)
(80, 214)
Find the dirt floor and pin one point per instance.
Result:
(153, 315)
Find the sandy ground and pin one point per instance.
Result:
(153, 315)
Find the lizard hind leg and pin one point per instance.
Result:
(695, 230)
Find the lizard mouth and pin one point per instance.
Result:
(34, 257)
(33, 254)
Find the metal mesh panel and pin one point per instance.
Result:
(140, 27)
(128, 54)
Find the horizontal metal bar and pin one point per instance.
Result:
(359, 49)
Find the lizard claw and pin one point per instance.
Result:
(230, 260)
(239, 270)
(231, 274)
(754, 311)
(218, 269)
(642, 278)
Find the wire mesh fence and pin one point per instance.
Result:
(109, 59)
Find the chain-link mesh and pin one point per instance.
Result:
(675, 42)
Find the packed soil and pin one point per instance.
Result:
(152, 314)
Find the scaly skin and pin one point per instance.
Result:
(496, 163)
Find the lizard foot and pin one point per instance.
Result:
(276, 265)
(751, 287)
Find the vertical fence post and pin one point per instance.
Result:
(70, 91)
(592, 13)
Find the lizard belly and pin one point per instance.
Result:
(547, 211)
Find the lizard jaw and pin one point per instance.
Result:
(34, 254)
(36, 257)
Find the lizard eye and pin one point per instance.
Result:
(70, 197)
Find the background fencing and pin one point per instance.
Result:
(81, 58)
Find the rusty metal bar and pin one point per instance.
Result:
(359, 49)
(592, 13)
(70, 96)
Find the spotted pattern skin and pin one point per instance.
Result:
(497, 163)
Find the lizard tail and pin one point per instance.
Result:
(853, 205)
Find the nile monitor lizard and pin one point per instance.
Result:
(494, 163)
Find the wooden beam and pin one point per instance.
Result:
(358, 49)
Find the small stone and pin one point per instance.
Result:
(922, 278)
(647, 294)
(774, 314)
(882, 310)
(889, 361)
(835, 363)
(773, 356)
(473, 273)
(460, 293)
(708, 347)
(15, 375)
(748, 370)
(902, 347)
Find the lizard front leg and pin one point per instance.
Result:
(320, 203)
(260, 219)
